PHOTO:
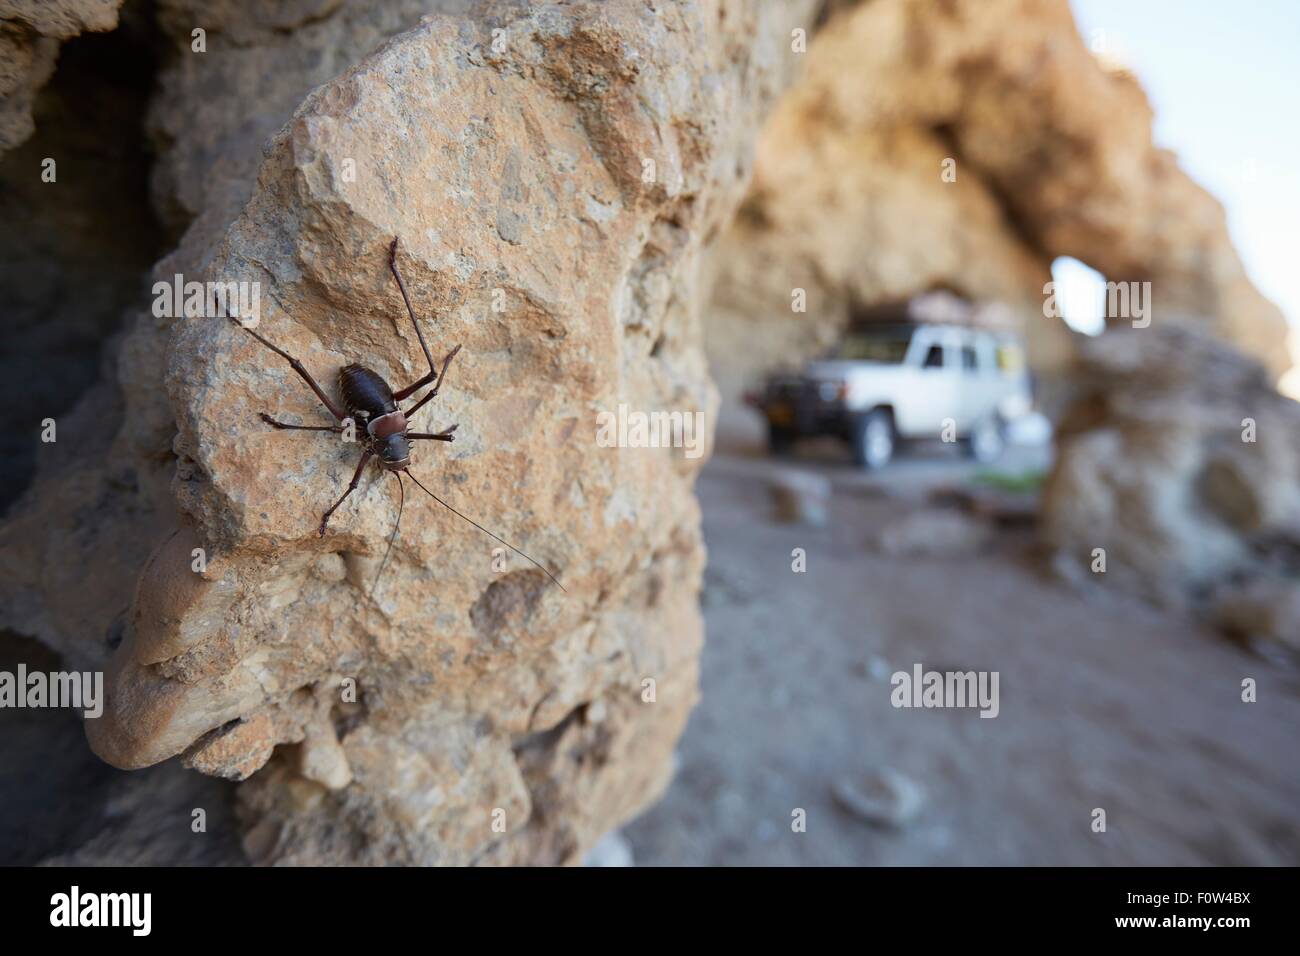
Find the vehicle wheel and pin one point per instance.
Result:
(780, 441)
(986, 441)
(873, 439)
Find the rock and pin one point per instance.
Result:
(68, 268)
(1155, 466)
(882, 797)
(160, 817)
(934, 533)
(1009, 503)
(322, 759)
(613, 849)
(264, 59)
(1052, 154)
(800, 497)
(464, 700)
(30, 34)
(235, 751)
(1263, 611)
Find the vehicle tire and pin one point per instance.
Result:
(986, 441)
(780, 441)
(873, 439)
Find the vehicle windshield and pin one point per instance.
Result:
(888, 346)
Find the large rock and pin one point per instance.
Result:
(1179, 460)
(1053, 157)
(467, 714)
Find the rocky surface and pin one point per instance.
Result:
(472, 712)
(77, 191)
(1179, 461)
(853, 200)
(30, 34)
(556, 173)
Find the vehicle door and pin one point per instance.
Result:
(981, 385)
(930, 392)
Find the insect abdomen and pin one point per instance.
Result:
(365, 393)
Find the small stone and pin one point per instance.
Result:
(234, 752)
(613, 849)
(800, 497)
(882, 797)
(322, 759)
(1264, 611)
(934, 533)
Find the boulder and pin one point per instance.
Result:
(1178, 461)
(553, 173)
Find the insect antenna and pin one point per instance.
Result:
(401, 503)
(485, 530)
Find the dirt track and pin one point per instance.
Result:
(1104, 703)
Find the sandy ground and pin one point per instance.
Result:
(1105, 702)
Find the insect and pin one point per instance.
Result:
(370, 404)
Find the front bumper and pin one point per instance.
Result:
(807, 408)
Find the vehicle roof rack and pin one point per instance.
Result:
(939, 307)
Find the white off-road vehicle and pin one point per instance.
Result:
(892, 380)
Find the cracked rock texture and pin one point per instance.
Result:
(554, 172)
(1053, 157)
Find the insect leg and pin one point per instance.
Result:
(441, 378)
(356, 480)
(297, 367)
(445, 435)
(301, 428)
(392, 264)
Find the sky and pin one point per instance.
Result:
(1224, 79)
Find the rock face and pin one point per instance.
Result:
(78, 239)
(30, 34)
(927, 145)
(1179, 460)
(553, 172)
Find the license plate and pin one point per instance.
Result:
(780, 414)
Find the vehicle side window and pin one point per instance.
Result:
(934, 357)
(968, 360)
